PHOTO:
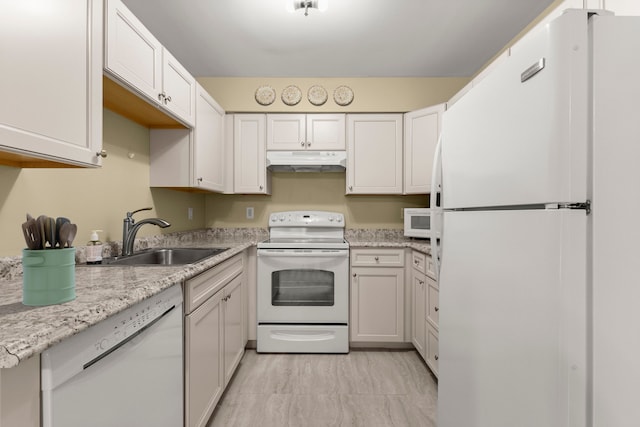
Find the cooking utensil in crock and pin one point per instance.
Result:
(59, 221)
(31, 233)
(67, 234)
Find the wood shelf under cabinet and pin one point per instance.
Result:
(126, 103)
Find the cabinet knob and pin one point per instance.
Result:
(308, 144)
(421, 282)
(416, 262)
(102, 153)
(200, 179)
(437, 308)
(377, 259)
(161, 97)
(167, 99)
(261, 187)
(354, 274)
(302, 143)
(436, 357)
(351, 188)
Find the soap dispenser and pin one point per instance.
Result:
(94, 248)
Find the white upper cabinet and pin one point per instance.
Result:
(51, 83)
(421, 132)
(374, 153)
(137, 59)
(249, 152)
(306, 132)
(191, 158)
(209, 145)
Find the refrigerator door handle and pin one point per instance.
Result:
(435, 203)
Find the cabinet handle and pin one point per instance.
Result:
(200, 179)
(101, 153)
(302, 143)
(161, 97)
(416, 262)
(167, 99)
(436, 357)
(437, 308)
(308, 144)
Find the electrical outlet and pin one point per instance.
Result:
(250, 213)
(190, 214)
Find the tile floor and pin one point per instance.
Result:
(362, 388)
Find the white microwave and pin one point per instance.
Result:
(417, 222)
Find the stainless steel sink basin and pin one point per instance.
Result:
(165, 256)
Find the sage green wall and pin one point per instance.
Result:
(95, 198)
(323, 191)
(310, 191)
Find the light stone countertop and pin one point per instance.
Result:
(102, 291)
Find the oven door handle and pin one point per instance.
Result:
(303, 253)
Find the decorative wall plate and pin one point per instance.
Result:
(291, 95)
(265, 95)
(317, 95)
(343, 95)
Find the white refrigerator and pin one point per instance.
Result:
(539, 177)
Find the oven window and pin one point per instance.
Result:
(302, 287)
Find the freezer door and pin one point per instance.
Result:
(513, 142)
(616, 249)
(512, 332)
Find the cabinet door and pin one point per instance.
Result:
(419, 299)
(250, 164)
(132, 53)
(208, 151)
(204, 378)
(51, 82)
(178, 89)
(433, 308)
(432, 349)
(233, 326)
(374, 154)
(377, 302)
(422, 129)
(286, 132)
(326, 132)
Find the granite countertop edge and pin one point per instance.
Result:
(102, 291)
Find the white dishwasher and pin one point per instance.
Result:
(125, 371)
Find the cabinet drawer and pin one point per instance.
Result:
(433, 297)
(419, 261)
(377, 257)
(198, 289)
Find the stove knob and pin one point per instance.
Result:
(338, 219)
(330, 219)
(282, 218)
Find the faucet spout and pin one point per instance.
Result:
(130, 229)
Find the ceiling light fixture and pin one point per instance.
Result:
(294, 5)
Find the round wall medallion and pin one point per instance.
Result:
(291, 95)
(265, 95)
(317, 95)
(343, 95)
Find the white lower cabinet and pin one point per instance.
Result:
(425, 305)
(377, 295)
(419, 302)
(214, 336)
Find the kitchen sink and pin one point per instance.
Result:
(164, 256)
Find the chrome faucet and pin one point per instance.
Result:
(130, 229)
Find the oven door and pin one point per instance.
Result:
(303, 286)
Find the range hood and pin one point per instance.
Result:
(307, 161)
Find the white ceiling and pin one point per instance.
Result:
(353, 38)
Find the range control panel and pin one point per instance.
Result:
(306, 219)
